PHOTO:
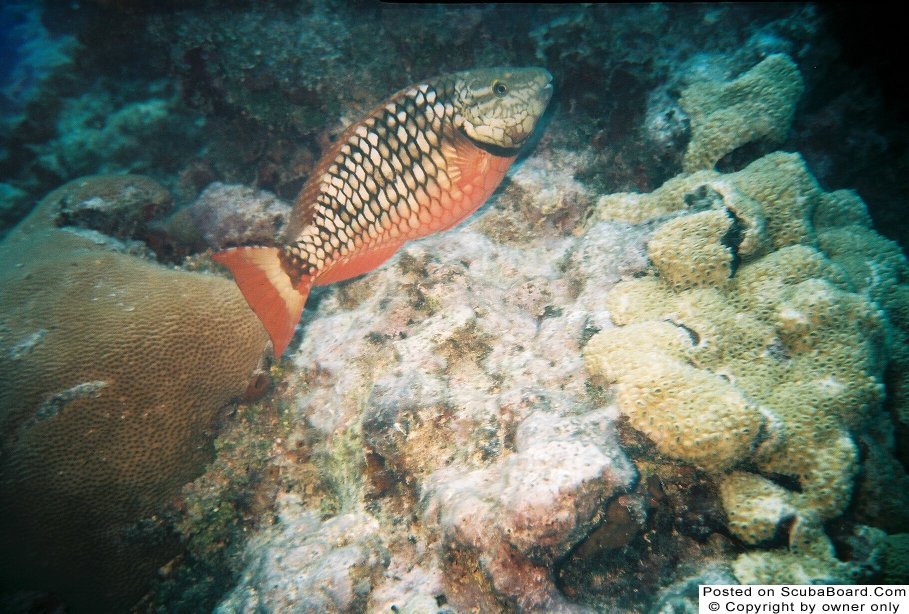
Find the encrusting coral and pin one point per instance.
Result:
(811, 558)
(758, 105)
(724, 116)
(112, 371)
(756, 365)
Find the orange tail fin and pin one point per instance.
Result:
(268, 289)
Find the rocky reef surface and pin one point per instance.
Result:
(671, 350)
(492, 466)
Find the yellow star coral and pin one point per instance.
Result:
(758, 105)
(755, 365)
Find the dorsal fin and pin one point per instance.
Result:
(304, 205)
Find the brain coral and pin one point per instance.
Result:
(755, 365)
(724, 116)
(112, 370)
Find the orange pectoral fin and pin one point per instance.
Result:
(268, 289)
(357, 265)
(475, 174)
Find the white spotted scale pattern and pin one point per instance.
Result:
(384, 186)
(417, 164)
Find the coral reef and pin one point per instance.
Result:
(449, 376)
(230, 215)
(13, 204)
(440, 388)
(730, 356)
(633, 120)
(759, 105)
(744, 331)
(37, 53)
(711, 423)
(304, 564)
(216, 511)
(119, 206)
(514, 519)
(896, 561)
(541, 192)
(706, 235)
(811, 559)
(95, 136)
(672, 196)
(254, 91)
(882, 492)
(296, 65)
(683, 596)
(112, 372)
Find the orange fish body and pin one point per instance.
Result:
(421, 162)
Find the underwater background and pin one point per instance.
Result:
(671, 349)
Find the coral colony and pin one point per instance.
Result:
(671, 348)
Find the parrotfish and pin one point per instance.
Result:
(417, 164)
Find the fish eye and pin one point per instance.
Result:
(499, 89)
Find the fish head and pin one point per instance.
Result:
(498, 108)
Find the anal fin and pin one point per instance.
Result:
(358, 264)
(268, 289)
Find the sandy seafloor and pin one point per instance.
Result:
(670, 350)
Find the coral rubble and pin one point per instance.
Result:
(455, 373)
(305, 564)
(231, 215)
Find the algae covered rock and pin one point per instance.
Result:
(229, 215)
(112, 372)
(100, 133)
(117, 205)
(445, 393)
(513, 519)
(307, 565)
